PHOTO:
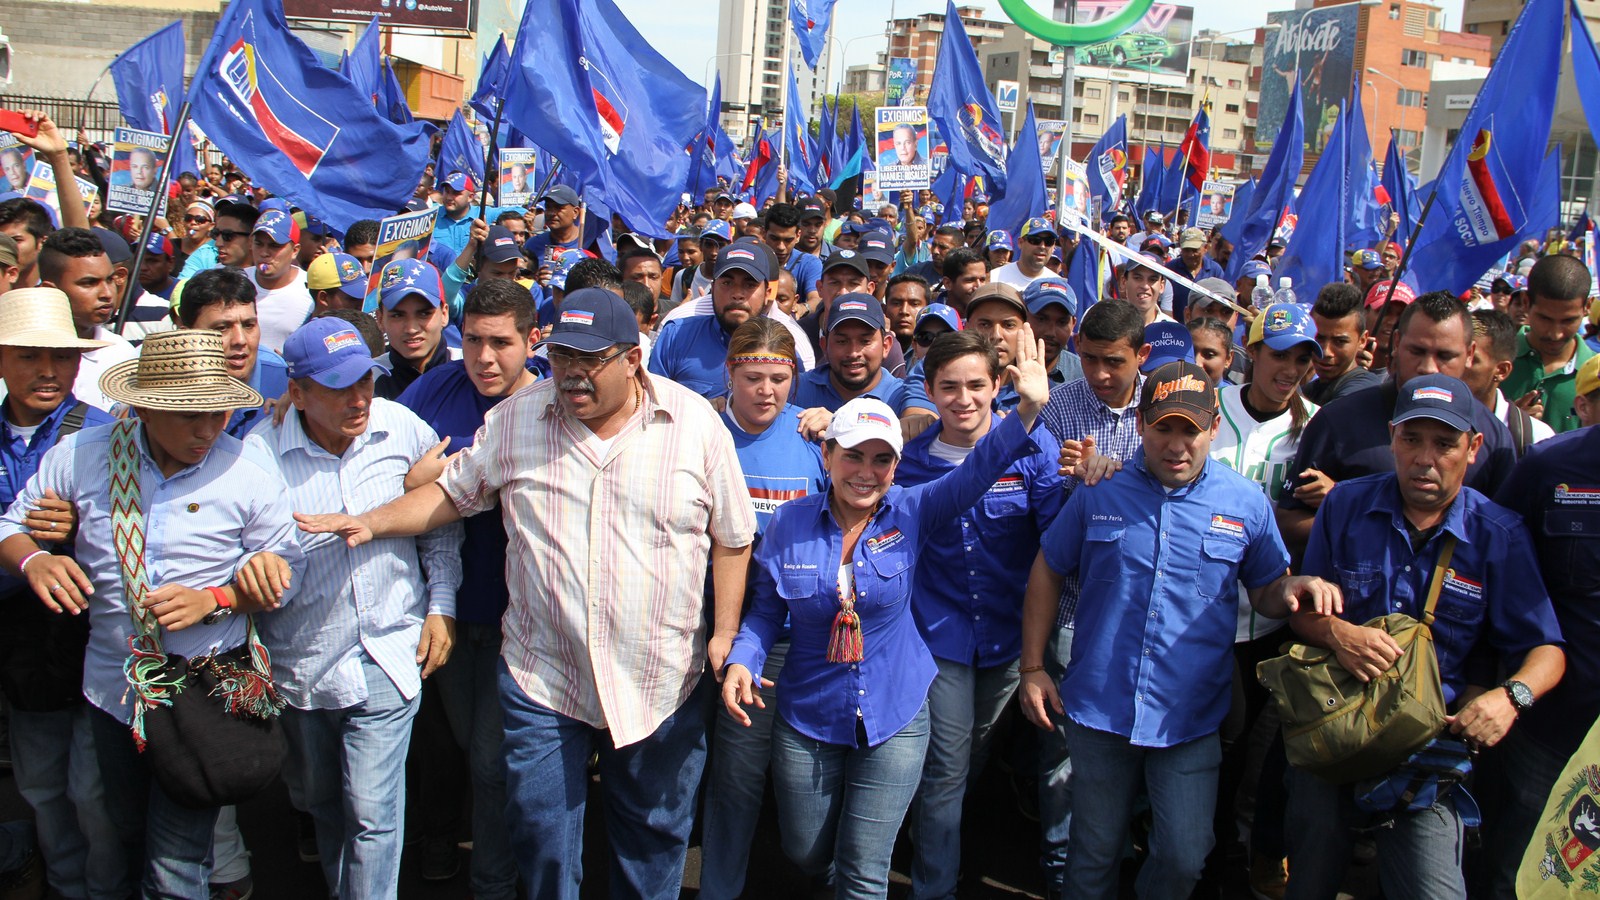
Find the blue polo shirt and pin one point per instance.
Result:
(271, 380)
(806, 269)
(693, 351)
(969, 593)
(1152, 655)
(1491, 590)
(779, 464)
(813, 389)
(795, 574)
(19, 459)
(1555, 488)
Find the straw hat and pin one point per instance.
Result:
(40, 317)
(185, 371)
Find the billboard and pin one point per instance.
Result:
(1320, 45)
(1156, 49)
(454, 15)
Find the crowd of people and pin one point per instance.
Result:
(852, 497)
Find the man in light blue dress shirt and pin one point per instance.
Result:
(351, 656)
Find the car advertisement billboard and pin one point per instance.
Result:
(1320, 46)
(1155, 50)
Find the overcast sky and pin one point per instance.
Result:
(686, 31)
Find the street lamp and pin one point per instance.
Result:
(845, 48)
(1396, 82)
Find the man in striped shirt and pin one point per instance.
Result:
(351, 657)
(617, 488)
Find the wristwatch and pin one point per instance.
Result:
(225, 608)
(1521, 695)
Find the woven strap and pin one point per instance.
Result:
(1447, 549)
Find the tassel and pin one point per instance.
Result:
(248, 694)
(143, 669)
(845, 645)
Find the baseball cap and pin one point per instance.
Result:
(1145, 258)
(744, 211)
(337, 270)
(1178, 389)
(1154, 218)
(1217, 286)
(846, 258)
(1191, 239)
(1366, 259)
(722, 195)
(946, 314)
(688, 233)
(593, 319)
(116, 247)
(1588, 380)
(562, 265)
(457, 181)
(1036, 225)
(8, 250)
(877, 246)
(865, 419)
(863, 308)
(854, 228)
(329, 351)
(812, 209)
(979, 197)
(278, 225)
(158, 245)
(1255, 268)
(1000, 239)
(1438, 397)
(501, 245)
(1518, 283)
(1402, 293)
(237, 207)
(716, 228)
(1284, 326)
(997, 291)
(561, 195)
(746, 256)
(1046, 291)
(404, 278)
(1169, 342)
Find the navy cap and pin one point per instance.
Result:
(855, 228)
(858, 307)
(812, 209)
(331, 352)
(1438, 397)
(745, 255)
(1169, 343)
(404, 278)
(1046, 291)
(115, 245)
(849, 258)
(561, 195)
(592, 319)
(236, 206)
(501, 245)
(877, 246)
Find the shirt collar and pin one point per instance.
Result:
(292, 434)
(48, 425)
(652, 401)
(1389, 503)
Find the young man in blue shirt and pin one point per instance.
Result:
(693, 350)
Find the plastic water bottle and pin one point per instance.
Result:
(1285, 292)
(1261, 296)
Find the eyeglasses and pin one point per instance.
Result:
(925, 338)
(1037, 239)
(196, 220)
(583, 362)
(223, 235)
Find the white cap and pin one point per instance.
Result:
(865, 419)
(1285, 281)
(744, 211)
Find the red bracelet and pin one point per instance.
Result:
(221, 596)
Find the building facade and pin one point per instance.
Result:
(752, 39)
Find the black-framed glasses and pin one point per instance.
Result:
(223, 235)
(583, 362)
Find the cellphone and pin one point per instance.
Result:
(17, 123)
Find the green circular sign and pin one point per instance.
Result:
(1064, 35)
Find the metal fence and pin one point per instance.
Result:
(97, 118)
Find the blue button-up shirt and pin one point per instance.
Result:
(813, 389)
(1152, 654)
(364, 601)
(1491, 590)
(19, 458)
(201, 525)
(270, 379)
(796, 575)
(968, 593)
(693, 351)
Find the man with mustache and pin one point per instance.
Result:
(693, 350)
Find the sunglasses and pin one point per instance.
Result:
(196, 220)
(223, 235)
(926, 338)
(1047, 240)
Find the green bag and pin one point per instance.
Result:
(1343, 730)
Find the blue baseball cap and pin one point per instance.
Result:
(457, 181)
(1366, 259)
(1517, 282)
(746, 256)
(337, 270)
(330, 352)
(561, 195)
(1438, 397)
(563, 264)
(158, 245)
(877, 246)
(1169, 343)
(1046, 291)
(1037, 225)
(593, 319)
(501, 245)
(716, 228)
(1255, 268)
(863, 308)
(855, 228)
(941, 311)
(1284, 326)
(404, 278)
(278, 225)
(1000, 239)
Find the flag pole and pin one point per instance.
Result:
(491, 159)
(1069, 61)
(156, 196)
(555, 168)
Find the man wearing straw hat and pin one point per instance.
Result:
(41, 656)
(220, 541)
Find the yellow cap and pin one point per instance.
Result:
(1589, 377)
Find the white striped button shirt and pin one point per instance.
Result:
(607, 556)
(369, 600)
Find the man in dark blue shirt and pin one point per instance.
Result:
(693, 350)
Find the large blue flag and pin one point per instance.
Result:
(1366, 213)
(1274, 193)
(261, 95)
(704, 150)
(1152, 181)
(1107, 166)
(853, 153)
(149, 80)
(1487, 184)
(392, 98)
(766, 181)
(460, 151)
(618, 115)
(1400, 187)
(811, 19)
(961, 105)
(1586, 70)
(1545, 209)
(1083, 273)
(364, 65)
(492, 80)
(827, 159)
(1316, 254)
(1025, 195)
(800, 152)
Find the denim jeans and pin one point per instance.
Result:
(230, 861)
(649, 788)
(169, 844)
(1181, 782)
(964, 703)
(1419, 854)
(352, 769)
(738, 778)
(844, 804)
(1055, 773)
(468, 685)
(1524, 771)
(53, 762)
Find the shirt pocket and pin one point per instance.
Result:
(801, 593)
(1571, 548)
(1102, 553)
(1459, 614)
(889, 581)
(1002, 506)
(1219, 567)
(1360, 587)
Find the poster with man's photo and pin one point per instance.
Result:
(41, 188)
(902, 149)
(1050, 133)
(137, 158)
(16, 161)
(1216, 204)
(405, 236)
(516, 175)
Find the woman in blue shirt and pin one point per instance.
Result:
(852, 731)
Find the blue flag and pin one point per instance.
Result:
(1366, 213)
(261, 95)
(1152, 181)
(364, 65)
(1083, 273)
(1585, 70)
(826, 153)
(1487, 184)
(766, 182)
(1545, 210)
(392, 98)
(961, 105)
(704, 150)
(492, 80)
(1315, 255)
(853, 153)
(800, 152)
(811, 19)
(618, 115)
(460, 151)
(1107, 166)
(1025, 195)
(1274, 193)
(1400, 189)
(149, 80)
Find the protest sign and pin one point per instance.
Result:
(902, 149)
(405, 236)
(137, 158)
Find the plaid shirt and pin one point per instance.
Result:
(1074, 413)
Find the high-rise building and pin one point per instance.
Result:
(918, 38)
(752, 36)
(1493, 18)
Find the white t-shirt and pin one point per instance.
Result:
(950, 453)
(96, 362)
(1011, 274)
(1502, 411)
(281, 310)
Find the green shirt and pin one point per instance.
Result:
(1557, 388)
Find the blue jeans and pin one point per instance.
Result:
(964, 703)
(468, 685)
(1419, 854)
(169, 843)
(352, 772)
(1055, 773)
(54, 764)
(844, 804)
(649, 789)
(733, 792)
(1181, 782)
(1525, 770)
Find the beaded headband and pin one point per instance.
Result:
(759, 358)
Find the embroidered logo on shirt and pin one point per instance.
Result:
(886, 540)
(336, 342)
(1227, 525)
(1461, 584)
(1577, 495)
(1007, 484)
(577, 316)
